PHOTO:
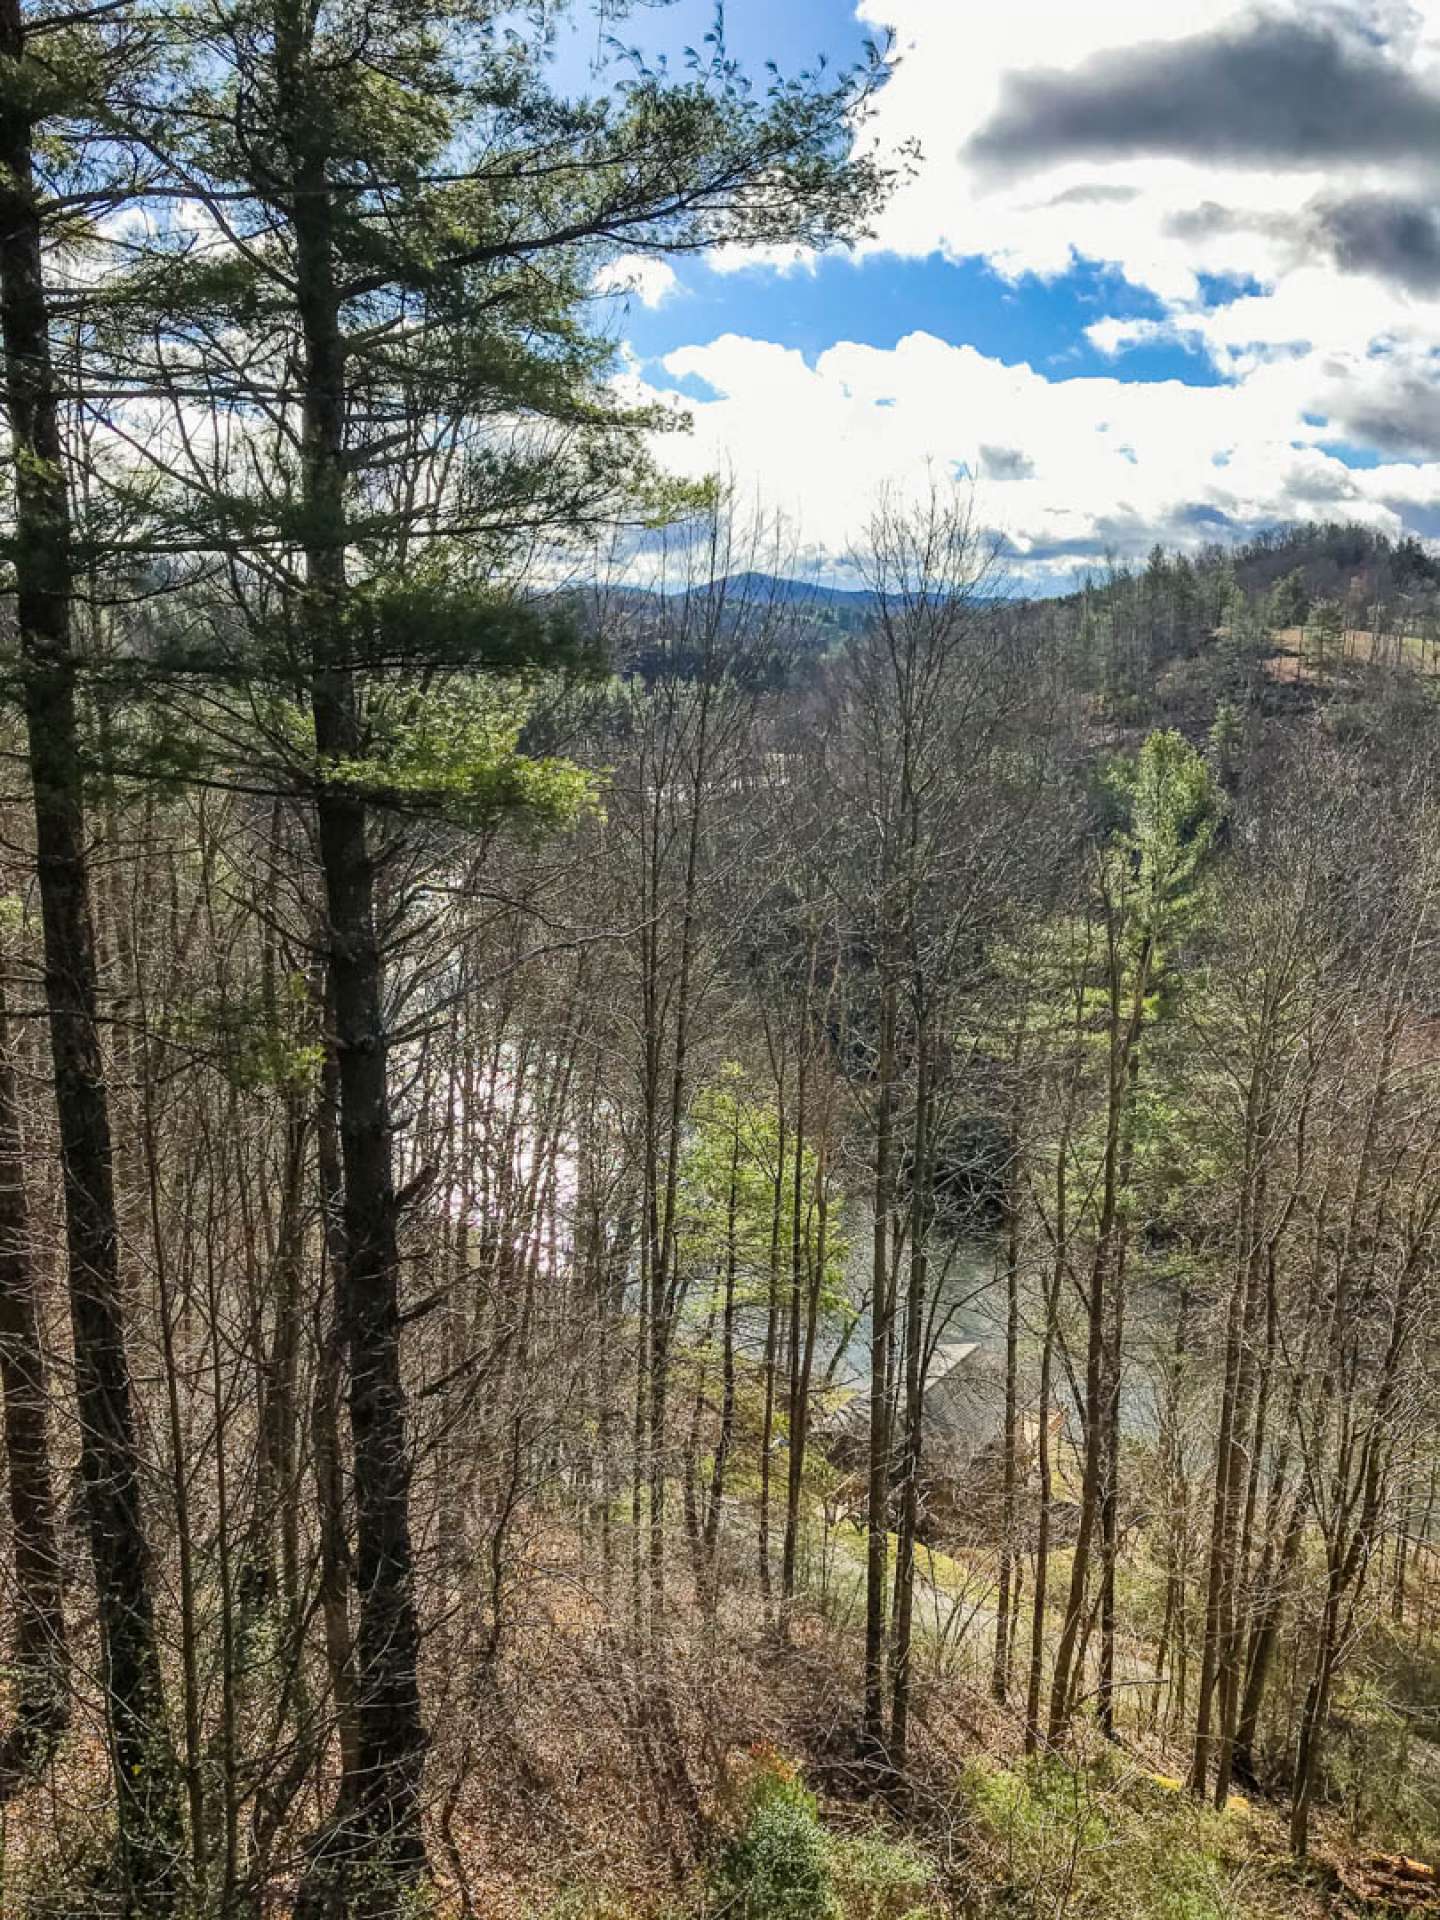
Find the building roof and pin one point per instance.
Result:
(964, 1401)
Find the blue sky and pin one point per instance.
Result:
(1160, 273)
(877, 300)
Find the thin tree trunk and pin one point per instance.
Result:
(1274, 1572)
(795, 1406)
(917, 1289)
(772, 1341)
(716, 1496)
(1046, 1494)
(42, 1704)
(1000, 1664)
(1312, 1721)
(877, 1556)
(1114, 1360)
(327, 1463)
(1124, 1038)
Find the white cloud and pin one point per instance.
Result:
(956, 68)
(1323, 329)
(649, 279)
(1099, 463)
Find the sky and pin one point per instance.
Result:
(1162, 272)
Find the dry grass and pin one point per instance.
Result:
(1297, 660)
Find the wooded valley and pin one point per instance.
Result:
(668, 1243)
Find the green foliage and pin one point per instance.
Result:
(778, 1865)
(1093, 1842)
(474, 206)
(1324, 634)
(1227, 744)
(585, 1902)
(1382, 1763)
(388, 620)
(727, 1195)
(1169, 797)
(878, 1878)
(456, 751)
(257, 1041)
(470, 210)
(71, 1866)
(1289, 600)
(781, 1863)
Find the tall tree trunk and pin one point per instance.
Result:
(1065, 1656)
(772, 1337)
(1046, 1492)
(1313, 1716)
(1275, 1568)
(1175, 1493)
(715, 1497)
(42, 1705)
(1199, 1778)
(1124, 1038)
(386, 1805)
(1249, 1442)
(1000, 1663)
(877, 1555)
(915, 1299)
(665, 1281)
(1114, 1362)
(1230, 1460)
(147, 1796)
(1044, 1459)
(326, 1457)
(798, 1355)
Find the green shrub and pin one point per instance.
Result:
(70, 1868)
(879, 1879)
(585, 1902)
(1094, 1842)
(778, 1865)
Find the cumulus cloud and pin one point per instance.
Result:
(1066, 469)
(1005, 463)
(1285, 92)
(1269, 174)
(1391, 235)
(1389, 404)
(1178, 145)
(1095, 193)
(650, 280)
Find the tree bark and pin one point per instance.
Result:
(1124, 1038)
(1000, 1664)
(42, 1706)
(150, 1820)
(877, 1557)
(384, 1805)
(914, 1358)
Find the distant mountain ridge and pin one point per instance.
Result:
(1330, 557)
(809, 603)
(777, 587)
(753, 585)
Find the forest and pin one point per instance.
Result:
(670, 1243)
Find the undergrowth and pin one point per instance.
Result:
(1106, 1840)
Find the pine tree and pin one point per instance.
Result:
(383, 315)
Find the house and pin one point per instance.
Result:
(962, 1451)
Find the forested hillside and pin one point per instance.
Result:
(665, 1246)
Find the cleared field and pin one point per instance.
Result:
(1300, 657)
